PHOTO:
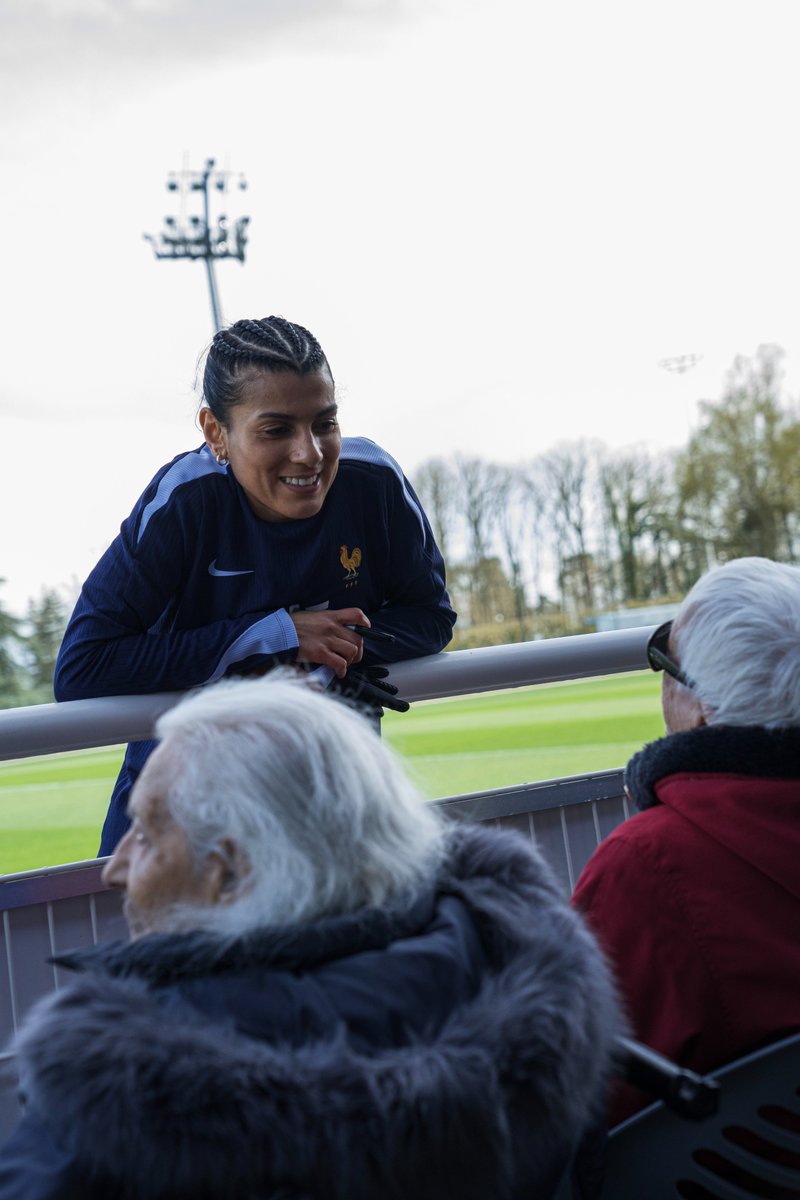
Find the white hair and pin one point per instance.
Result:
(314, 803)
(737, 635)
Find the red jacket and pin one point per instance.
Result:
(696, 899)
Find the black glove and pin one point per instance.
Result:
(367, 686)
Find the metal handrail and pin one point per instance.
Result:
(59, 882)
(109, 720)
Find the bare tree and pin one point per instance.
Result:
(568, 480)
(436, 483)
(479, 491)
(540, 542)
(513, 497)
(637, 514)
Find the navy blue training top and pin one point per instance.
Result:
(196, 586)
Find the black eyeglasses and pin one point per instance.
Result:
(659, 660)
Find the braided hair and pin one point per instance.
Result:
(268, 344)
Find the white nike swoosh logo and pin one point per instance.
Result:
(213, 570)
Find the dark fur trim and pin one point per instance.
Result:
(167, 957)
(747, 750)
(156, 1101)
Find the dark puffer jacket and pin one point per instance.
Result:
(458, 1047)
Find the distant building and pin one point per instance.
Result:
(633, 618)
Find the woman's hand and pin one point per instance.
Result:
(325, 640)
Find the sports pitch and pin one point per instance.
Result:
(52, 808)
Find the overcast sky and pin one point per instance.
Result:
(498, 216)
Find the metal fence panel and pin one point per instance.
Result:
(29, 935)
(7, 1013)
(73, 928)
(110, 923)
(28, 946)
(9, 1105)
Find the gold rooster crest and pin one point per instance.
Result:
(350, 562)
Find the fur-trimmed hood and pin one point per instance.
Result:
(749, 751)
(153, 1098)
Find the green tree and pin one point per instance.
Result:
(46, 619)
(482, 592)
(739, 478)
(12, 687)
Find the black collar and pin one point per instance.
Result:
(748, 750)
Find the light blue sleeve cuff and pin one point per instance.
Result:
(273, 634)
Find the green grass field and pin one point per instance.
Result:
(51, 808)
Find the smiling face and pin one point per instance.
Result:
(282, 442)
(153, 864)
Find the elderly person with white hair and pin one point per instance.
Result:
(696, 898)
(328, 992)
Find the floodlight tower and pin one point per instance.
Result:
(197, 235)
